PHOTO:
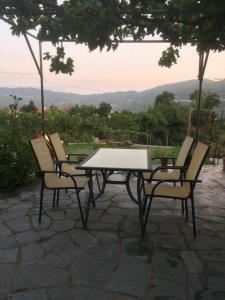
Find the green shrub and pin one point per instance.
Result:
(165, 152)
(16, 158)
(16, 164)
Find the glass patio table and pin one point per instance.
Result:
(110, 160)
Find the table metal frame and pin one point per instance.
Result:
(107, 171)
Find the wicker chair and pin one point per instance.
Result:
(162, 189)
(61, 156)
(64, 161)
(181, 160)
(56, 180)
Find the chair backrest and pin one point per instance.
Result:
(57, 146)
(184, 151)
(48, 142)
(42, 154)
(197, 161)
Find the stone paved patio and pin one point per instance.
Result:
(58, 260)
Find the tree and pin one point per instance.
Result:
(194, 98)
(207, 114)
(85, 110)
(211, 101)
(14, 106)
(164, 99)
(124, 120)
(29, 107)
(152, 122)
(174, 114)
(104, 109)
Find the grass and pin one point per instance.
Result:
(87, 149)
(80, 148)
(90, 148)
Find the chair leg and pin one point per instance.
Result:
(90, 199)
(91, 193)
(141, 215)
(53, 200)
(193, 215)
(80, 208)
(182, 207)
(186, 209)
(41, 201)
(57, 200)
(98, 181)
(147, 215)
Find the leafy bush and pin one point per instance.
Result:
(165, 152)
(16, 159)
(16, 164)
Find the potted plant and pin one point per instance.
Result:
(38, 134)
(164, 154)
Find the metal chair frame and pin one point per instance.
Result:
(77, 190)
(145, 205)
(59, 161)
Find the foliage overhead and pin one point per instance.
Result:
(103, 24)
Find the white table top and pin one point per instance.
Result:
(118, 159)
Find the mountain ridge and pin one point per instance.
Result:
(130, 100)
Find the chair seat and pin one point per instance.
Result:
(53, 181)
(175, 174)
(166, 190)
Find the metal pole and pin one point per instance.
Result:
(32, 53)
(199, 103)
(202, 65)
(40, 71)
(189, 120)
(42, 90)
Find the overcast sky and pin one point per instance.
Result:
(130, 67)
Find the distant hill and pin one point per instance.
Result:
(130, 100)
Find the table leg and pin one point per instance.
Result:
(102, 189)
(141, 210)
(127, 182)
(90, 184)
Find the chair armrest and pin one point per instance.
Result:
(178, 180)
(163, 168)
(60, 162)
(75, 154)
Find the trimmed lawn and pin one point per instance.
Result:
(78, 149)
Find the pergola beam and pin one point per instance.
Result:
(203, 59)
(32, 53)
(119, 41)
